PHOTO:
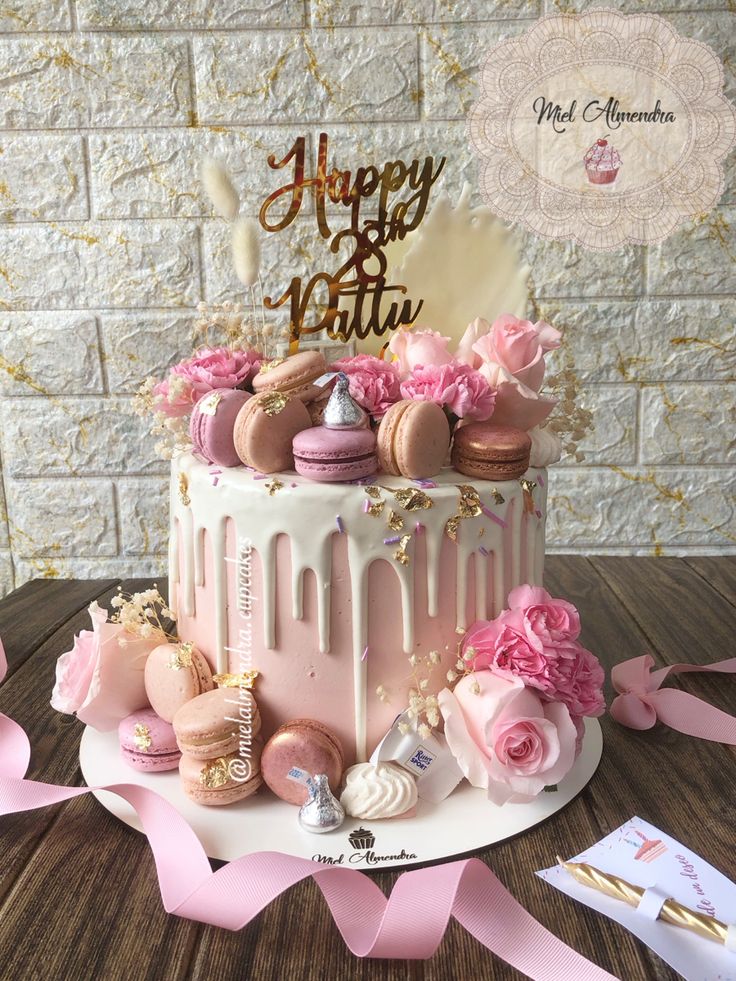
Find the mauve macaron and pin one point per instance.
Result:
(147, 743)
(491, 452)
(306, 745)
(294, 375)
(222, 780)
(335, 454)
(174, 674)
(212, 423)
(265, 429)
(413, 439)
(210, 724)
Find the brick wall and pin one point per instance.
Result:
(108, 245)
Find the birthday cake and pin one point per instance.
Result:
(357, 548)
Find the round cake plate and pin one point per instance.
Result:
(465, 822)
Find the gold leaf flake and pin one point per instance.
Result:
(451, 527)
(469, 505)
(142, 737)
(373, 491)
(267, 366)
(395, 522)
(215, 774)
(181, 657)
(272, 402)
(413, 499)
(209, 406)
(375, 509)
(498, 497)
(527, 485)
(184, 490)
(400, 554)
(245, 680)
(273, 485)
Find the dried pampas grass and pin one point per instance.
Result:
(219, 188)
(246, 251)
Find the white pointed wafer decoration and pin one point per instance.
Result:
(219, 188)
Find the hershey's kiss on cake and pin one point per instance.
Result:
(342, 411)
(322, 812)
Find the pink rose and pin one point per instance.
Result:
(462, 390)
(544, 617)
(101, 679)
(374, 383)
(415, 347)
(512, 360)
(210, 368)
(578, 679)
(505, 738)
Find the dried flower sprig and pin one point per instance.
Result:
(569, 420)
(423, 708)
(219, 188)
(145, 614)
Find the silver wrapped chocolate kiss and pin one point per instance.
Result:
(342, 411)
(322, 812)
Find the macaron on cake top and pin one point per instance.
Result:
(265, 428)
(300, 748)
(148, 743)
(215, 722)
(413, 439)
(490, 452)
(335, 454)
(294, 376)
(175, 674)
(212, 423)
(222, 780)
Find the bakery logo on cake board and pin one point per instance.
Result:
(362, 843)
(602, 128)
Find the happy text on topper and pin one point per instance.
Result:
(362, 276)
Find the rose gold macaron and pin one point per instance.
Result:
(265, 428)
(490, 452)
(222, 780)
(413, 439)
(294, 376)
(215, 723)
(302, 745)
(175, 674)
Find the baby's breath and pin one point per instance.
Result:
(143, 614)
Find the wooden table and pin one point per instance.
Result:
(78, 891)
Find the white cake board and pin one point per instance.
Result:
(464, 822)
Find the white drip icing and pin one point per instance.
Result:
(306, 513)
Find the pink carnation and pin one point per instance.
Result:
(374, 383)
(578, 679)
(460, 388)
(210, 368)
(547, 618)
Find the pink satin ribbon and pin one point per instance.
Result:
(410, 924)
(641, 700)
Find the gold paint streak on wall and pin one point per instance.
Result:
(706, 342)
(450, 65)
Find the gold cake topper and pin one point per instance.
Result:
(362, 278)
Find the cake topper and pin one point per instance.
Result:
(374, 306)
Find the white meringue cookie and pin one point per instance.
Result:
(546, 447)
(374, 792)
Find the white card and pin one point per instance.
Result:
(644, 856)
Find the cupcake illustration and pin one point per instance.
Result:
(362, 839)
(650, 849)
(602, 162)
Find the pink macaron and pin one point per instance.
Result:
(413, 439)
(302, 746)
(175, 674)
(216, 722)
(212, 423)
(294, 376)
(147, 743)
(222, 780)
(265, 428)
(335, 454)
